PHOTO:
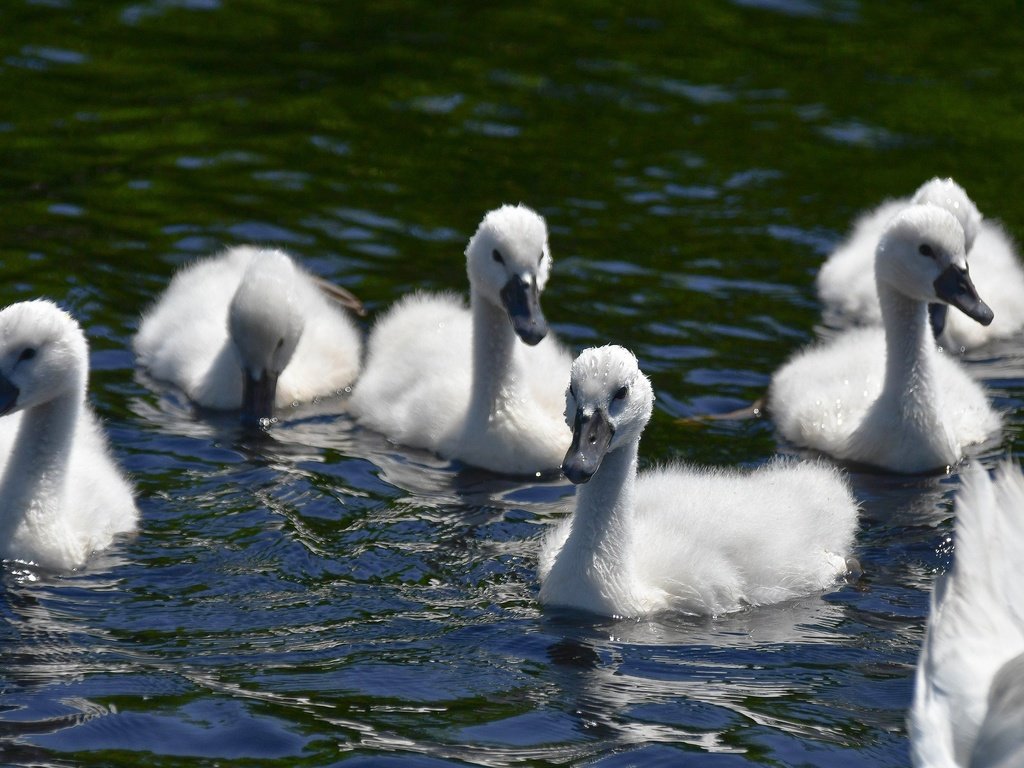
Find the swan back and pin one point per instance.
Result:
(43, 354)
(965, 676)
(949, 195)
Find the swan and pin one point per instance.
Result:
(846, 284)
(62, 496)
(699, 541)
(885, 396)
(249, 329)
(968, 702)
(458, 381)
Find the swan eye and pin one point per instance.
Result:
(621, 393)
(926, 250)
(540, 259)
(280, 343)
(27, 354)
(496, 255)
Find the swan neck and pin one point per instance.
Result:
(494, 343)
(34, 479)
(909, 346)
(605, 505)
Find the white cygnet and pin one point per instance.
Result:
(482, 385)
(249, 329)
(62, 496)
(885, 396)
(691, 540)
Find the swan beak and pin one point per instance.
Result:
(591, 436)
(937, 316)
(258, 396)
(522, 302)
(8, 395)
(954, 287)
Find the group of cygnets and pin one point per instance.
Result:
(488, 385)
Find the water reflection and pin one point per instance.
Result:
(623, 677)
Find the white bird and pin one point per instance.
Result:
(886, 396)
(62, 496)
(846, 283)
(249, 329)
(684, 539)
(968, 707)
(458, 381)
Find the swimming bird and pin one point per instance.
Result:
(483, 385)
(846, 282)
(885, 396)
(249, 329)
(685, 539)
(62, 496)
(968, 706)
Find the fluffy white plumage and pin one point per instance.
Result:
(458, 381)
(885, 396)
(248, 310)
(62, 496)
(846, 282)
(968, 705)
(699, 541)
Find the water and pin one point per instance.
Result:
(319, 597)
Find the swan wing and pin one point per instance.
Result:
(976, 622)
(719, 540)
(820, 396)
(415, 386)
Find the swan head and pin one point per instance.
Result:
(265, 322)
(508, 261)
(607, 405)
(922, 255)
(947, 194)
(43, 355)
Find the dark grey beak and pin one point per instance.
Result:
(937, 316)
(258, 396)
(591, 436)
(954, 287)
(522, 302)
(8, 395)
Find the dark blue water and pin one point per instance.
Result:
(319, 597)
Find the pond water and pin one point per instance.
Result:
(320, 597)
